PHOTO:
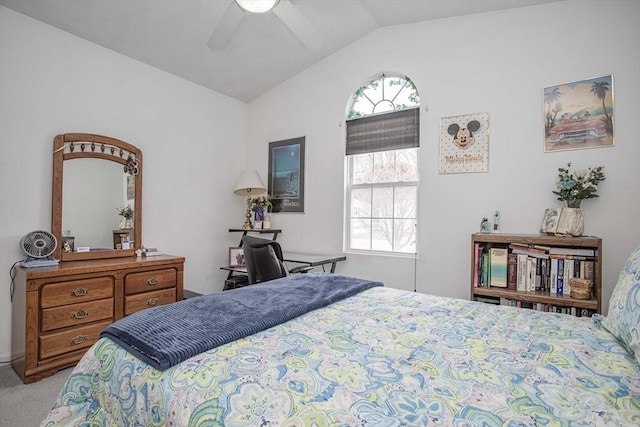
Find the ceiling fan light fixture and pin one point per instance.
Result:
(257, 6)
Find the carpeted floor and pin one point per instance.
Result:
(26, 405)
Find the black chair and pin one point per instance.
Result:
(264, 260)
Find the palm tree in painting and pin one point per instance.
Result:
(549, 99)
(600, 90)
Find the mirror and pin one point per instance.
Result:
(96, 179)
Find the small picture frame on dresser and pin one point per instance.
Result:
(236, 257)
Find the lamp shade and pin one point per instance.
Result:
(249, 183)
(257, 6)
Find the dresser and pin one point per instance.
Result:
(59, 312)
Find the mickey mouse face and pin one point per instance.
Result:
(463, 137)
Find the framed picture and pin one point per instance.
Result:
(236, 257)
(286, 175)
(131, 188)
(579, 115)
(550, 220)
(464, 143)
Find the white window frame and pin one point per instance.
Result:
(390, 184)
(350, 186)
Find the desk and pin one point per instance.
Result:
(314, 260)
(238, 275)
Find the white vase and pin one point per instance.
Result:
(570, 222)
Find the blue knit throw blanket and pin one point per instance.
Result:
(167, 335)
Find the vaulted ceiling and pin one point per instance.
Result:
(263, 51)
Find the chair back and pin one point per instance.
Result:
(263, 258)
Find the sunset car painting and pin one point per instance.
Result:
(579, 115)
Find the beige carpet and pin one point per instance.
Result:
(26, 405)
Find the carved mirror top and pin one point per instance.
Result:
(103, 179)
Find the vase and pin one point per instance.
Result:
(573, 203)
(570, 222)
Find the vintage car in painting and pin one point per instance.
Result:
(578, 129)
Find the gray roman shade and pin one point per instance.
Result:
(383, 132)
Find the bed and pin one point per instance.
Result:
(383, 357)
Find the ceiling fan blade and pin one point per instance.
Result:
(226, 28)
(298, 24)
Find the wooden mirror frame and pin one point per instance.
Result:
(84, 145)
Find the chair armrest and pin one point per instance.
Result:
(300, 269)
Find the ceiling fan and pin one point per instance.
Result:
(283, 9)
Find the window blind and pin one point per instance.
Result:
(383, 132)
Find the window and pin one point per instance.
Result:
(382, 166)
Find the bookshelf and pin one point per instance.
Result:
(543, 244)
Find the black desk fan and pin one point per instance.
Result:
(38, 246)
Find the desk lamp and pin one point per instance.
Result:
(249, 184)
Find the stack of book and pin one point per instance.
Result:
(528, 268)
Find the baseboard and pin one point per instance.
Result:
(5, 359)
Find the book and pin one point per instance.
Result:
(484, 271)
(531, 273)
(561, 250)
(488, 300)
(476, 263)
(512, 271)
(521, 284)
(560, 277)
(544, 278)
(538, 275)
(588, 270)
(498, 267)
(150, 252)
(553, 276)
(531, 250)
(568, 274)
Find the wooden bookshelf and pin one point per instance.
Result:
(544, 297)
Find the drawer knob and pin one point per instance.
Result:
(80, 314)
(153, 281)
(152, 301)
(79, 292)
(79, 339)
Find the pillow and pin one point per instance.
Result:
(623, 319)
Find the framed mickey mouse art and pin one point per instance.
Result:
(464, 143)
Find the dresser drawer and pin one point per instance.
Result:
(147, 300)
(63, 293)
(73, 339)
(146, 281)
(77, 314)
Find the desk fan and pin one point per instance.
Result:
(38, 246)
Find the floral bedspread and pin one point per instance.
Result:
(381, 358)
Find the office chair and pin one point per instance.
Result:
(264, 260)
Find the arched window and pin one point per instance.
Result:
(383, 138)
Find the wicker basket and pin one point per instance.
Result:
(581, 288)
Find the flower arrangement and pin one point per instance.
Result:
(258, 205)
(127, 212)
(573, 187)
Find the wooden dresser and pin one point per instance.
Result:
(59, 312)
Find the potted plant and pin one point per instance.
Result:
(573, 187)
(127, 214)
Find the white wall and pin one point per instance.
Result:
(497, 63)
(193, 141)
